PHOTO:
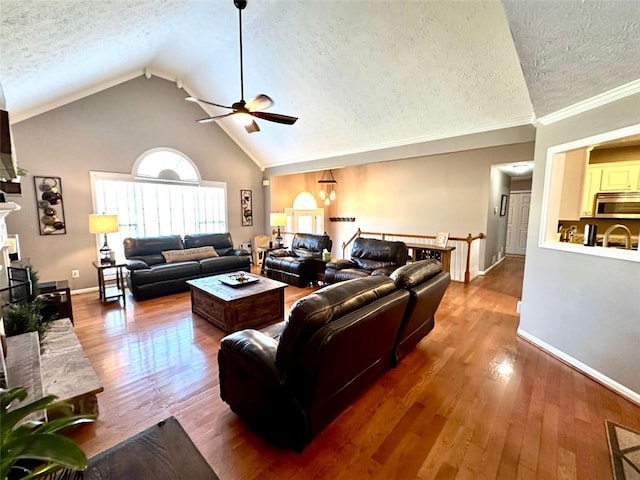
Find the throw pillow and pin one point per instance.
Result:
(187, 254)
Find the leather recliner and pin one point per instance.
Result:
(293, 265)
(369, 256)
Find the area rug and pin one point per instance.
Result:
(163, 451)
(624, 446)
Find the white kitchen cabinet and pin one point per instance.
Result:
(620, 177)
(593, 179)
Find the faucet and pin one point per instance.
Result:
(627, 235)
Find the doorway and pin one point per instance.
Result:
(518, 223)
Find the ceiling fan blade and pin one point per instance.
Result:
(259, 102)
(275, 117)
(196, 100)
(213, 119)
(252, 127)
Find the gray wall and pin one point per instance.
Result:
(496, 230)
(107, 132)
(585, 306)
(423, 195)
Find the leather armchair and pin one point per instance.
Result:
(369, 256)
(292, 265)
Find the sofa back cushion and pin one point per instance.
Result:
(312, 312)
(371, 253)
(148, 249)
(222, 242)
(309, 244)
(408, 276)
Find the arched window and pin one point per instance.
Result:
(163, 195)
(165, 164)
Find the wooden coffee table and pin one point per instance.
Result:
(235, 308)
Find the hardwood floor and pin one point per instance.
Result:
(472, 401)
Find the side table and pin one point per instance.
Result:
(111, 291)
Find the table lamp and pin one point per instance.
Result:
(278, 220)
(103, 224)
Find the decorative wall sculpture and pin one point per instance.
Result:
(246, 204)
(50, 205)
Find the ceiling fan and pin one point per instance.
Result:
(244, 111)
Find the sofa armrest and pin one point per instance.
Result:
(236, 252)
(281, 252)
(136, 264)
(254, 352)
(386, 271)
(340, 264)
(257, 391)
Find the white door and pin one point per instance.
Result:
(518, 223)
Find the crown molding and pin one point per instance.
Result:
(617, 93)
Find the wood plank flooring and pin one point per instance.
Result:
(472, 401)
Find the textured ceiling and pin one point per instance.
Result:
(573, 50)
(361, 76)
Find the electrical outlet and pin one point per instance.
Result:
(75, 273)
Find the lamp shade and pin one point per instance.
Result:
(103, 223)
(278, 219)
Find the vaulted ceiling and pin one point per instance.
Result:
(360, 75)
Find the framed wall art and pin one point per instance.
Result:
(441, 239)
(246, 205)
(503, 205)
(50, 205)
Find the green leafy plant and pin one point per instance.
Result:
(33, 449)
(25, 317)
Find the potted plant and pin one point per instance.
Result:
(34, 449)
(26, 316)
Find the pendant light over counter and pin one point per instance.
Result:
(327, 187)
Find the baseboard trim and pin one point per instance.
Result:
(84, 290)
(581, 367)
(484, 272)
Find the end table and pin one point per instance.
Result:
(111, 291)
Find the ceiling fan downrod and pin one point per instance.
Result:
(240, 5)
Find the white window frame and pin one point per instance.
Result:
(114, 239)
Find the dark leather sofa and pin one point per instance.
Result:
(426, 283)
(369, 256)
(149, 274)
(294, 265)
(290, 380)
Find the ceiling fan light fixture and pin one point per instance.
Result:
(243, 119)
(244, 111)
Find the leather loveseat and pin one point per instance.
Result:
(369, 256)
(290, 380)
(161, 265)
(295, 265)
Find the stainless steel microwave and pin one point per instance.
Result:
(617, 205)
